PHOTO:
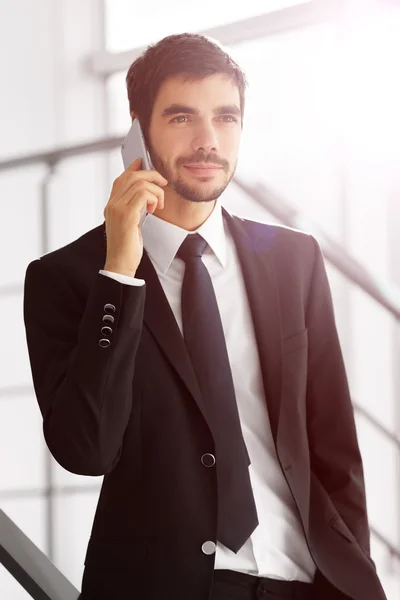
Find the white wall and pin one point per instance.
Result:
(48, 99)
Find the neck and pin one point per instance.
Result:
(185, 214)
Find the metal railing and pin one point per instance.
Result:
(30, 567)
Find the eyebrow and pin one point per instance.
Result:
(176, 108)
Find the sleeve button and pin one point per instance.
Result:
(106, 330)
(109, 308)
(108, 318)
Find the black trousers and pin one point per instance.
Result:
(232, 585)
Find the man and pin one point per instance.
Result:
(195, 363)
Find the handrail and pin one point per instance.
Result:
(393, 551)
(30, 566)
(52, 157)
(373, 421)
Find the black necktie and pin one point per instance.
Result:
(205, 342)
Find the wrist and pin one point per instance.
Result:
(115, 267)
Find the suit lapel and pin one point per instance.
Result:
(161, 321)
(254, 243)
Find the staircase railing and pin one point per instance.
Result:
(30, 567)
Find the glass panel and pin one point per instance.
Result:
(14, 359)
(10, 588)
(373, 358)
(127, 26)
(119, 118)
(20, 239)
(388, 569)
(289, 137)
(63, 478)
(381, 466)
(77, 198)
(22, 448)
(73, 523)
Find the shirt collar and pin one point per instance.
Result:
(162, 239)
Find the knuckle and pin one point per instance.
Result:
(138, 184)
(118, 180)
(130, 178)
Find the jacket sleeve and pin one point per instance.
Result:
(84, 390)
(334, 449)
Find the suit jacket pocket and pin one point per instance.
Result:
(340, 526)
(294, 342)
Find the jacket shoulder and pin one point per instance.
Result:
(278, 238)
(85, 249)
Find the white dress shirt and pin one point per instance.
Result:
(277, 548)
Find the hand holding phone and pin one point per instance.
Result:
(134, 191)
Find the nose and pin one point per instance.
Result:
(206, 140)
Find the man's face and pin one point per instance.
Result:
(202, 128)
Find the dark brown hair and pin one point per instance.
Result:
(189, 55)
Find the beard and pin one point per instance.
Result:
(203, 190)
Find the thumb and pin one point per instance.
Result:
(135, 166)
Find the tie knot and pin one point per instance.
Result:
(192, 247)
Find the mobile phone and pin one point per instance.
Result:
(135, 147)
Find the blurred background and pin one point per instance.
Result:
(320, 151)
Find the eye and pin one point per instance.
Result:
(230, 117)
(234, 119)
(180, 117)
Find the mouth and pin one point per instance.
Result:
(203, 171)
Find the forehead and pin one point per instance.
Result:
(211, 90)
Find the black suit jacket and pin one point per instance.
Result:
(133, 412)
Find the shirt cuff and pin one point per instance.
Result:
(123, 278)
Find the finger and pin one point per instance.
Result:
(148, 200)
(144, 181)
(124, 207)
(135, 166)
(141, 187)
(150, 187)
(149, 175)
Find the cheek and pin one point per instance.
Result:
(170, 148)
